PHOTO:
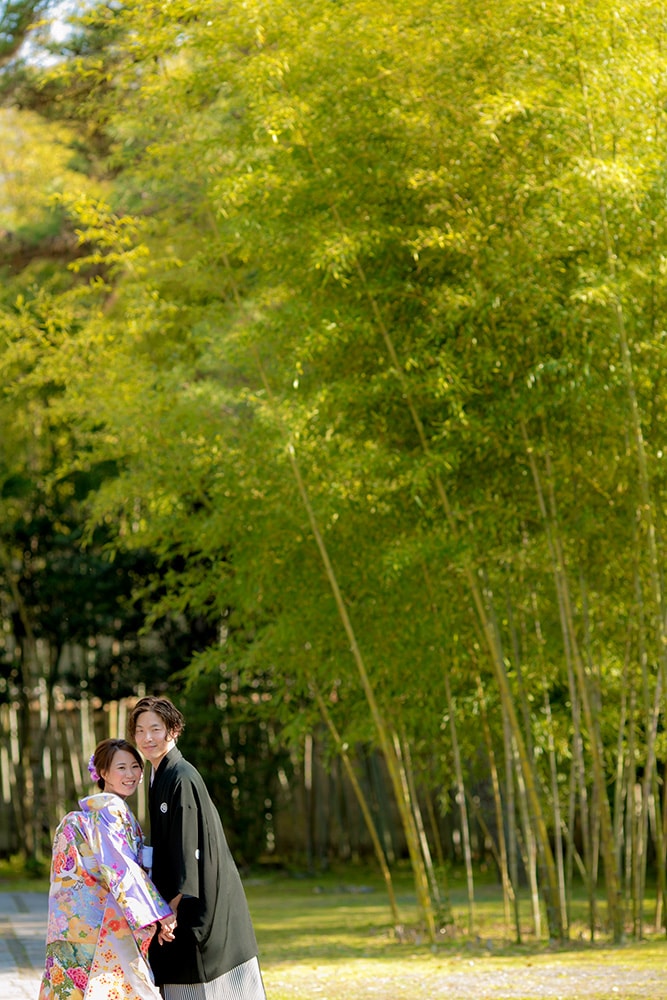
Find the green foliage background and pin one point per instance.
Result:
(418, 247)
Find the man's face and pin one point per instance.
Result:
(152, 738)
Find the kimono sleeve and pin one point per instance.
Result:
(184, 838)
(121, 873)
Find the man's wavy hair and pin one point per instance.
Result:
(167, 711)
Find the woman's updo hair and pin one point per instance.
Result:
(103, 756)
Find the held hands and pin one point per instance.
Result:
(167, 927)
(168, 924)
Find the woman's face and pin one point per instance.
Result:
(124, 774)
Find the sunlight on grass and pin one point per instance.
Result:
(331, 937)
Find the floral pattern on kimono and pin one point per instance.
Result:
(102, 907)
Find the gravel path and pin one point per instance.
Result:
(468, 981)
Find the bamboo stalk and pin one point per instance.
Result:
(530, 854)
(555, 794)
(363, 804)
(509, 895)
(550, 520)
(461, 801)
(405, 759)
(511, 809)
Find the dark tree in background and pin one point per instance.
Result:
(16, 18)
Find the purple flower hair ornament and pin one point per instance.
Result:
(91, 767)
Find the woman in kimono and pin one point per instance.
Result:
(103, 908)
(214, 954)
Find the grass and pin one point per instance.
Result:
(17, 876)
(330, 937)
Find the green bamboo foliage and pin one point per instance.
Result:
(440, 226)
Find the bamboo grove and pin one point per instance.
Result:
(354, 316)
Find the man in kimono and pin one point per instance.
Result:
(214, 952)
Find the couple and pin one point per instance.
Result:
(103, 908)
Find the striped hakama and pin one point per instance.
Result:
(242, 983)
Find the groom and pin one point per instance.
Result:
(214, 952)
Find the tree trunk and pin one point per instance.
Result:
(28, 765)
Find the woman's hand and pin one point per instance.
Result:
(167, 927)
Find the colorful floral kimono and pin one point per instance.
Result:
(102, 907)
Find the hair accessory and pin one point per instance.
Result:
(91, 767)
